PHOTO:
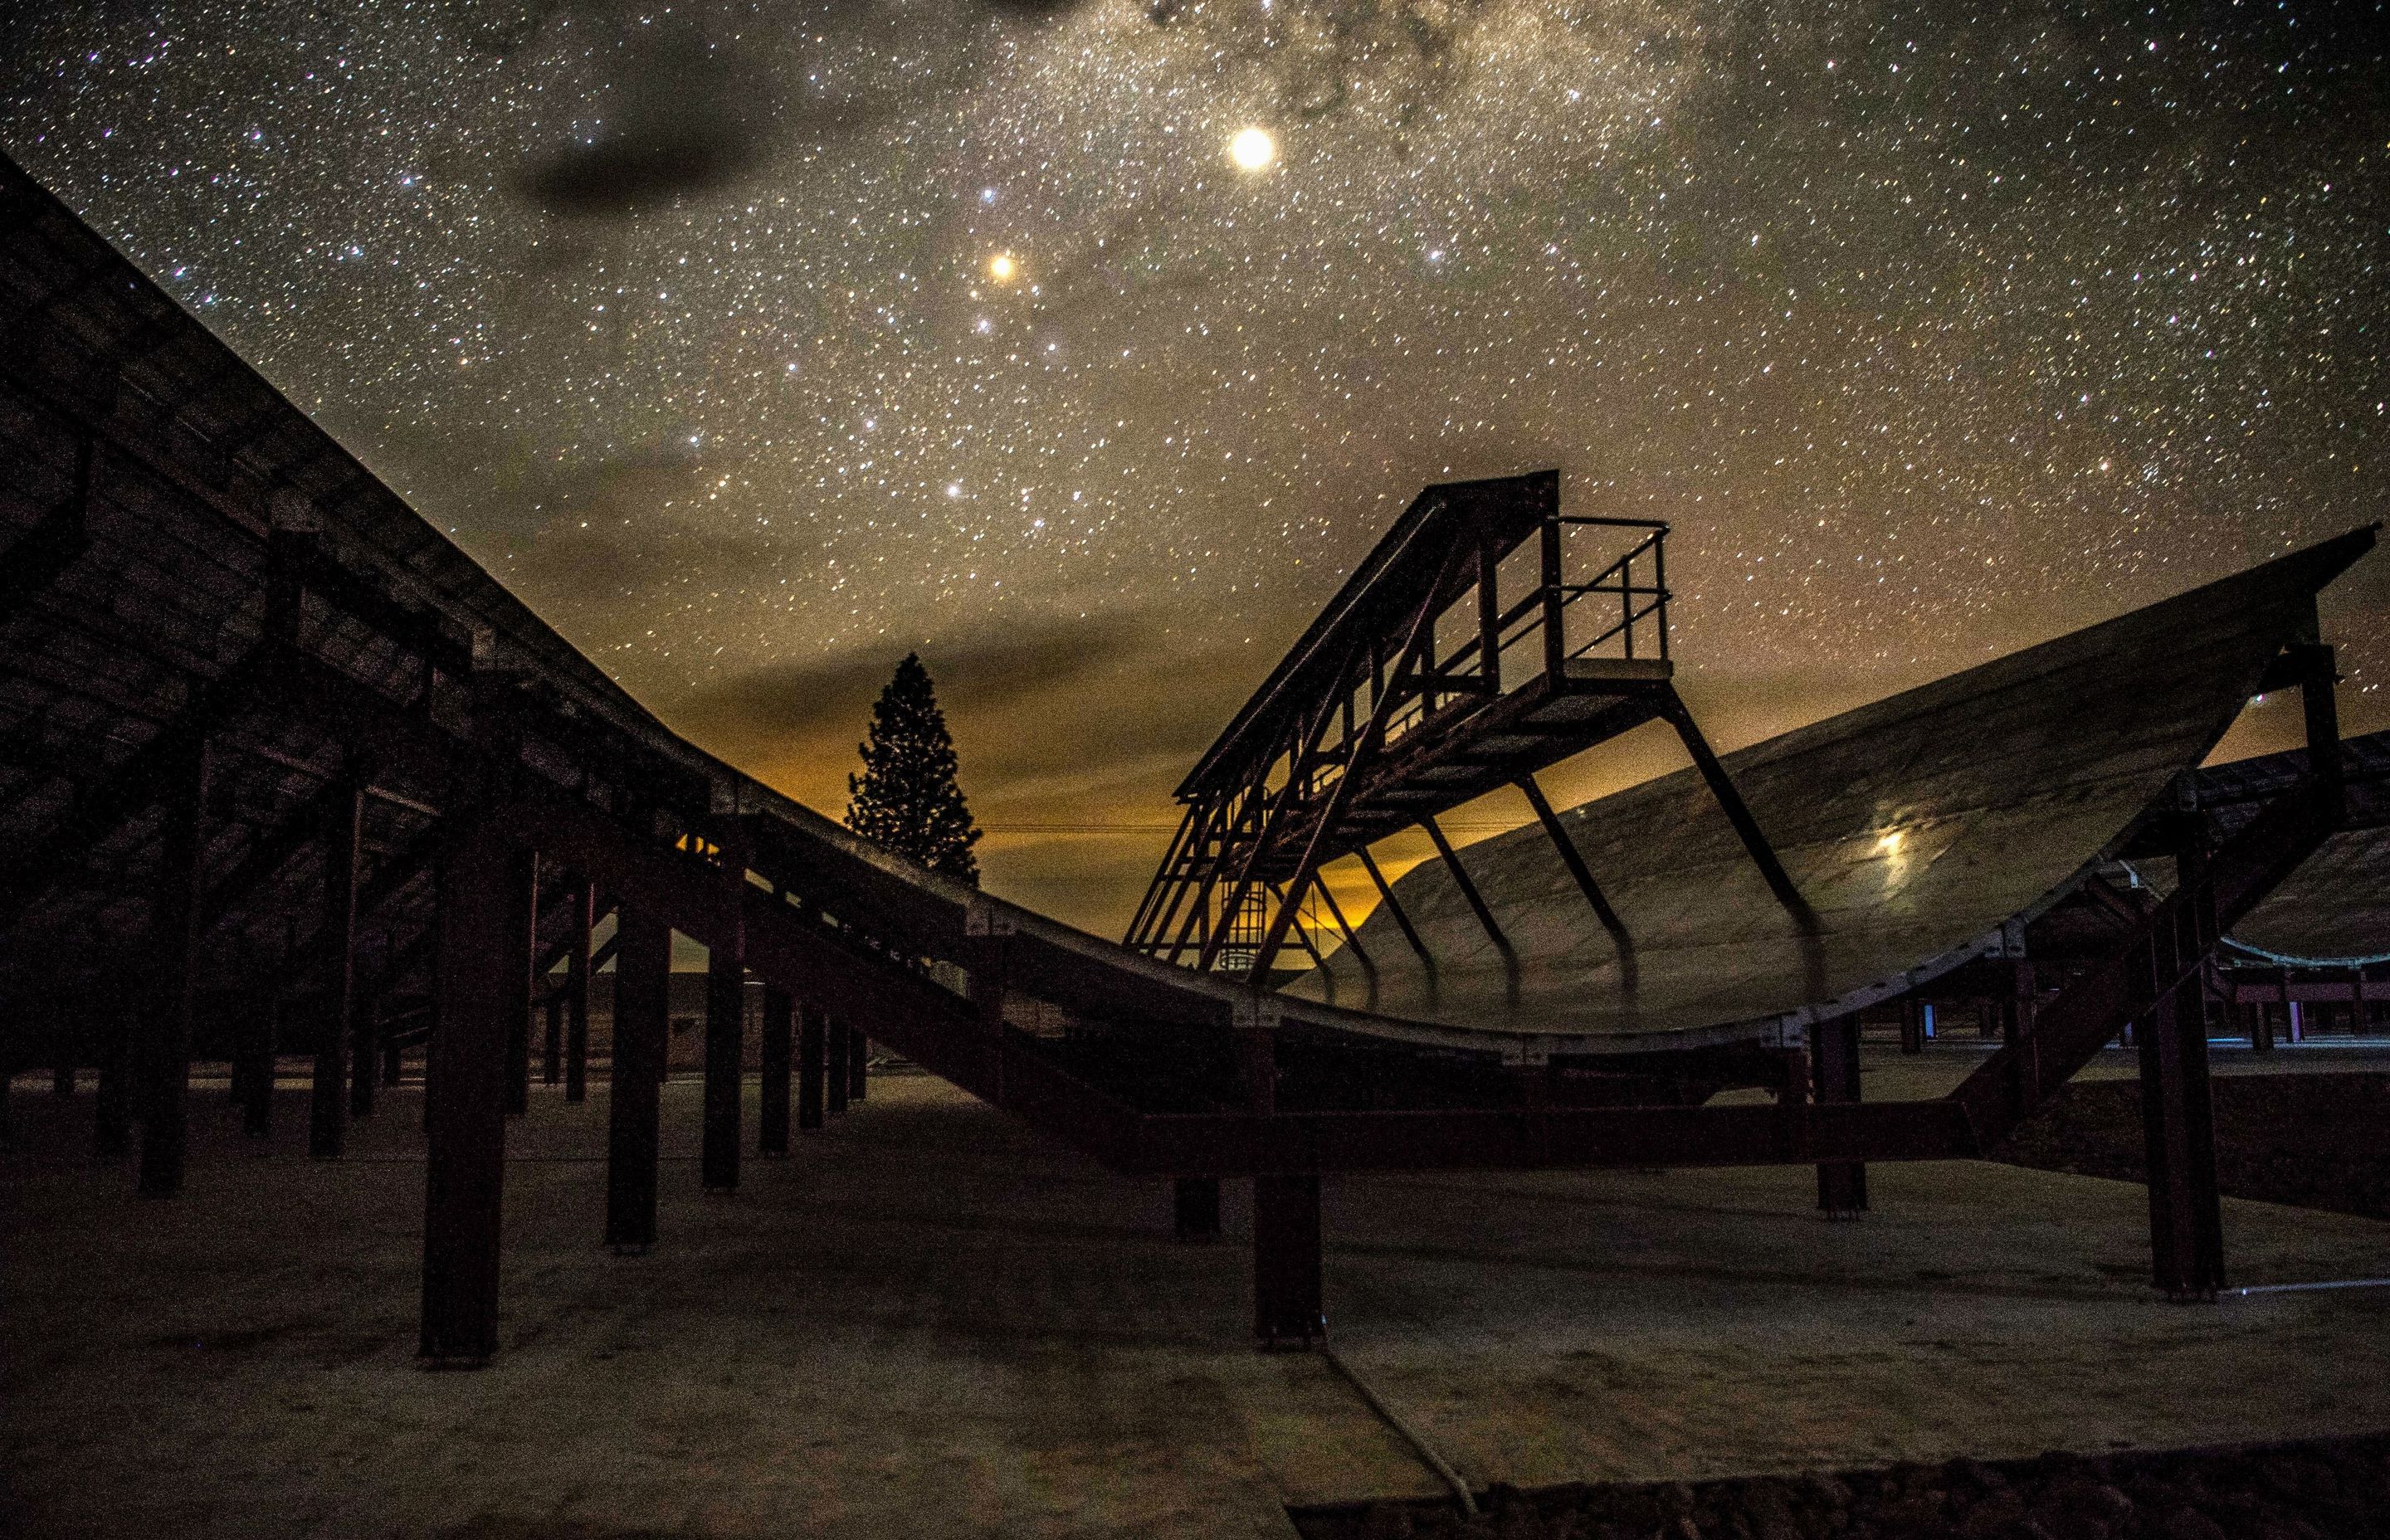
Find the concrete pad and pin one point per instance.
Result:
(930, 1322)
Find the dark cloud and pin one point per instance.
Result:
(643, 165)
(672, 106)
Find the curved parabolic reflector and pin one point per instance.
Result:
(2334, 911)
(1916, 827)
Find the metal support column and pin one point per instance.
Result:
(518, 1002)
(772, 1115)
(328, 1105)
(858, 1061)
(642, 1025)
(834, 1064)
(165, 1061)
(576, 995)
(812, 1047)
(260, 1033)
(2017, 1011)
(726, 1047)
(985, 981)
(551, 1047)
(1834, 1046)
(2179, 1128)
(364, 1054)
(1287, 1296)
(484, 944)
(111, 1102)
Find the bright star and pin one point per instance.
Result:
(1002, 268)
(1252, 150)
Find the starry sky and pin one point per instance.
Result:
(754, 345)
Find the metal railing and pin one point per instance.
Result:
(1619, 579)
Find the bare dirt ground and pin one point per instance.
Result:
(930, 1322)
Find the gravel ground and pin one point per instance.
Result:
(2319, 1489)
(2315, 1140)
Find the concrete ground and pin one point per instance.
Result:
(933, 1323)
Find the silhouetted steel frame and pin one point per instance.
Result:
(792, 950)
(500, 816)
(1234, 819)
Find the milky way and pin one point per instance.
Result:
(1932, 331)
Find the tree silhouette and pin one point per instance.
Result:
(906, 799)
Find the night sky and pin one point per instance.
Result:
(1934, 331)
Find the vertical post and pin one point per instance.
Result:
(551, 1050)
(2178, 1130)
(365, 1053)
(642, 1023)
(1489, 631)
(813, 1045)
(725, 1012)
(518, 1006)
(2017, 1012)
(772, 1115)
(1842, 1185)
(1660, 585)
(986, 932)
(2322, 713)
(858, 1058)
(328, 1107)
(111, 1102)
(576, 994)
(1195, 1207)
(174, 918)
(1287, 1291)
(1555, 642)
(258, 1047)
(834, 1064)
(725, 1026)
(1912, 1026)
(484, 944)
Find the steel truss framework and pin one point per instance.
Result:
(272, 751)
(1488, 637)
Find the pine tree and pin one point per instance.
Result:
(906, 799)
